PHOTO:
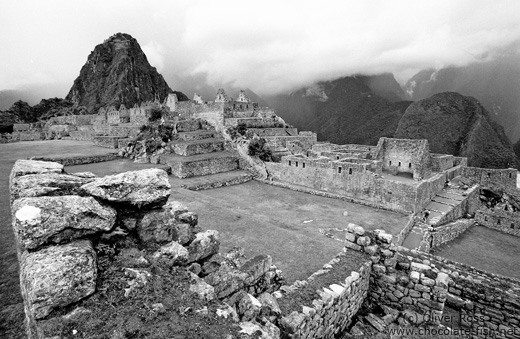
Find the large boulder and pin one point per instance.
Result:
(146, 188)
(42, 220)
(25, 167)
(35, 185)
(57, 276)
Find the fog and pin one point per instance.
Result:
(267, 46)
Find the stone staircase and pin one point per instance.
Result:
(200, 158)
(448, 205)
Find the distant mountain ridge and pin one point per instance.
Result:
(118, 72)
(345, 110)
(458, 125)
(495, 83)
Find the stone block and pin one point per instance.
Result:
(43, 220)
(204, 245)
(172, 254)
(57, 276)
(353, 228)
(363, 241)
(146, 188)
(50, 184)
(26, 167)
(256, 267)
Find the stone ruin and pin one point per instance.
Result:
(93, 250)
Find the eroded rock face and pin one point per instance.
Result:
(41, 220)
(146, 188)
(51, 184)
(25, 167)
(58, 276)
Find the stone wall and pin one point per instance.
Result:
(326, 303)
(353, 180)
(405, 156)
(21, 127)
(264, 132)
(441, 162)
(448, 232)
(306, 140)
(503, 221)
(494, 178)
(414, 287)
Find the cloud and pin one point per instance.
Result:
(283, 45)
(268, 46)
(155, 54)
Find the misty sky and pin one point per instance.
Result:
(268, 46)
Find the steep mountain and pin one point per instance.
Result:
(346, 110)
(495, 82)
(459, 125)
(118, 72)
(384, 85)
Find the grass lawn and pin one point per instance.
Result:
(485, 249)
(270, 220)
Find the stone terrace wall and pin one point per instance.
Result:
(502, 221)
(98, 246)
(414, 287)
(338, 295)
(448, 232)
(486, 302)
(422, 285)
(500, 178)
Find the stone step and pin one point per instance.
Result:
(197, 135)
(200, 164)
(193, 147)
(216, 180)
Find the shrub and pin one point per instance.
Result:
(156, 114)
(259, 147)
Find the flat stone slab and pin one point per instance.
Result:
(26, 167)
(57, 276)
(50, 184)
(43, 220)
(435, 206)
(453, 196)
(447, 201)
(145, 188)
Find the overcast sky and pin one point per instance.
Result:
(268, 46)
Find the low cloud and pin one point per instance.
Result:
(268, 46)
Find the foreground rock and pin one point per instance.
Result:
(42, 220)
(142, 189)
(171, 222)
(26, 167)
(205, 244)
(58, 276)
(35, 185)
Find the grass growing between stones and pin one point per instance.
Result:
(350, 261)
(163, 307)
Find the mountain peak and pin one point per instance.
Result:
(118, 72)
